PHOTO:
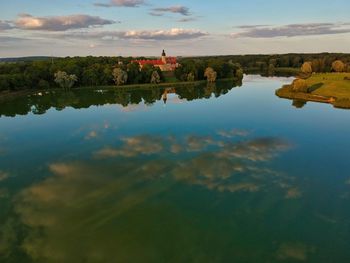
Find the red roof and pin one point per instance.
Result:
(156, 62)
(171, 60)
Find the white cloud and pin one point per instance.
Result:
(292, 30)
(5, 25)
(189, 19)
(172, 34)
(60, 23)
(142, 35)
(183, 10)
(121, 3)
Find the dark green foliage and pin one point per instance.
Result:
(90, 71)
(146, 73)
(271, 70)
(259, 64)
(43, 84)
(97, 71)
(134, 76)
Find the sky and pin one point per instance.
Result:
(182, 28)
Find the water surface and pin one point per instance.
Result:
(192, 174)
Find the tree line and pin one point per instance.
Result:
(106, 71)
(103, 71)
(322, 61)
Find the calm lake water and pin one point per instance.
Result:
(215, 174)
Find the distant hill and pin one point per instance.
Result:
(19, 59)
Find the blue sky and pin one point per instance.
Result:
(144, 27)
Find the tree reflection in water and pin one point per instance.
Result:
(39, 103)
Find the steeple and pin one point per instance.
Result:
(164, 57)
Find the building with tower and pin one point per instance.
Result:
(165, 63)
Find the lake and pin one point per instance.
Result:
(188, 174)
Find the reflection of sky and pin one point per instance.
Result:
(122, 192)
(244, 166)
(251, 107)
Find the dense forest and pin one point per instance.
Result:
(101, 71)
(262, 62)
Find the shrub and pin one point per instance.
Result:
(155, 78)
(190, 76)
(239, 73)
(338, 66)
(306, 68)
(64, 80)
(271, 70)
(299, 85)
(210, 74)
(43, 84)
(120, 76)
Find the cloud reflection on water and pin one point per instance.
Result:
(223, 163)
(294, 251)
(3, 176)
(86, 204)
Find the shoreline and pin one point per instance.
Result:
(330, 88)
(286, 93)
(9, 94)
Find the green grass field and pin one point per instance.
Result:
(330, 85)
(324, 87)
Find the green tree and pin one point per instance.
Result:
(146, 73)
(190, 76)
(43, 84)
(239, 73)
(338, 66)
(300, 85)
(155, 78)
(271, 70)
(64, 80)
(90, 77)
(134, 75)
(210, 74)
(306, 68)
(261, 65)
(296, 63)
(120, 76)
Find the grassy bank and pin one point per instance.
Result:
(331, 88)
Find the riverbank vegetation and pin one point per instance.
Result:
(282, 64)
(38, 72)
(331, 88)
(106, 71)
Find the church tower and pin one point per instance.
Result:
(164, 57)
